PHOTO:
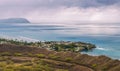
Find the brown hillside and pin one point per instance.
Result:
(57, 61)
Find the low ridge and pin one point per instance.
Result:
(14, 20)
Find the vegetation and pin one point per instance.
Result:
(68, 59)
(40, 55)
(17, 54)
(52, 56)
(25, 58)
(61, 56)
(53, 45)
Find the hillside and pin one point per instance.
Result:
(14, 20)
(25, 58)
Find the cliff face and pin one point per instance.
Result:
(14, 20)
(64, 61)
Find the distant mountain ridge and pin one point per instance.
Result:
(14, 20)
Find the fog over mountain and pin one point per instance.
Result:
(94, 11)
(14, 20)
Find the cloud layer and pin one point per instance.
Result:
(88, 11)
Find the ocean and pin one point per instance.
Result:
(105, 36)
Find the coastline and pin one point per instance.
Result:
(53, 45)
(21, 54)
(36, 44)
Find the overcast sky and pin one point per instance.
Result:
(94, 11)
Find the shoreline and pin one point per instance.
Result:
(100, 48)
(54, 45)
(100, 55)
(34, 43)
(21, 54)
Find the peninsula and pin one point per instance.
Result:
(54, 45)
(39, 56)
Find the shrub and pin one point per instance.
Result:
(9, 62)
(23, 69)
(3, 64)
(94, 65)
(46, 68)
(28, 64)
(61, 70)
(40, 55)
(40, 67)
(1, 69)
(37, 69)
(30, 54)
(18, 54)
(104, 69)
(8, 69)
(52, 56)
(5, 54)
(10, 66)
(1, 59)
(68, 59)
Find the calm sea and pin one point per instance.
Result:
(105, 37)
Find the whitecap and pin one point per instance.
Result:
(104, 49)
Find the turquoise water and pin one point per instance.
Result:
(105, 37)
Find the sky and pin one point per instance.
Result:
(65, 11)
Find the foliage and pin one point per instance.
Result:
(5, 54)
(18, 54)
(53, 45)
(68, 59)
(40, 55)
(52, 56)
(94, 65)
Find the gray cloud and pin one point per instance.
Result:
(108, 2)
(56, 3)
(62, 10)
